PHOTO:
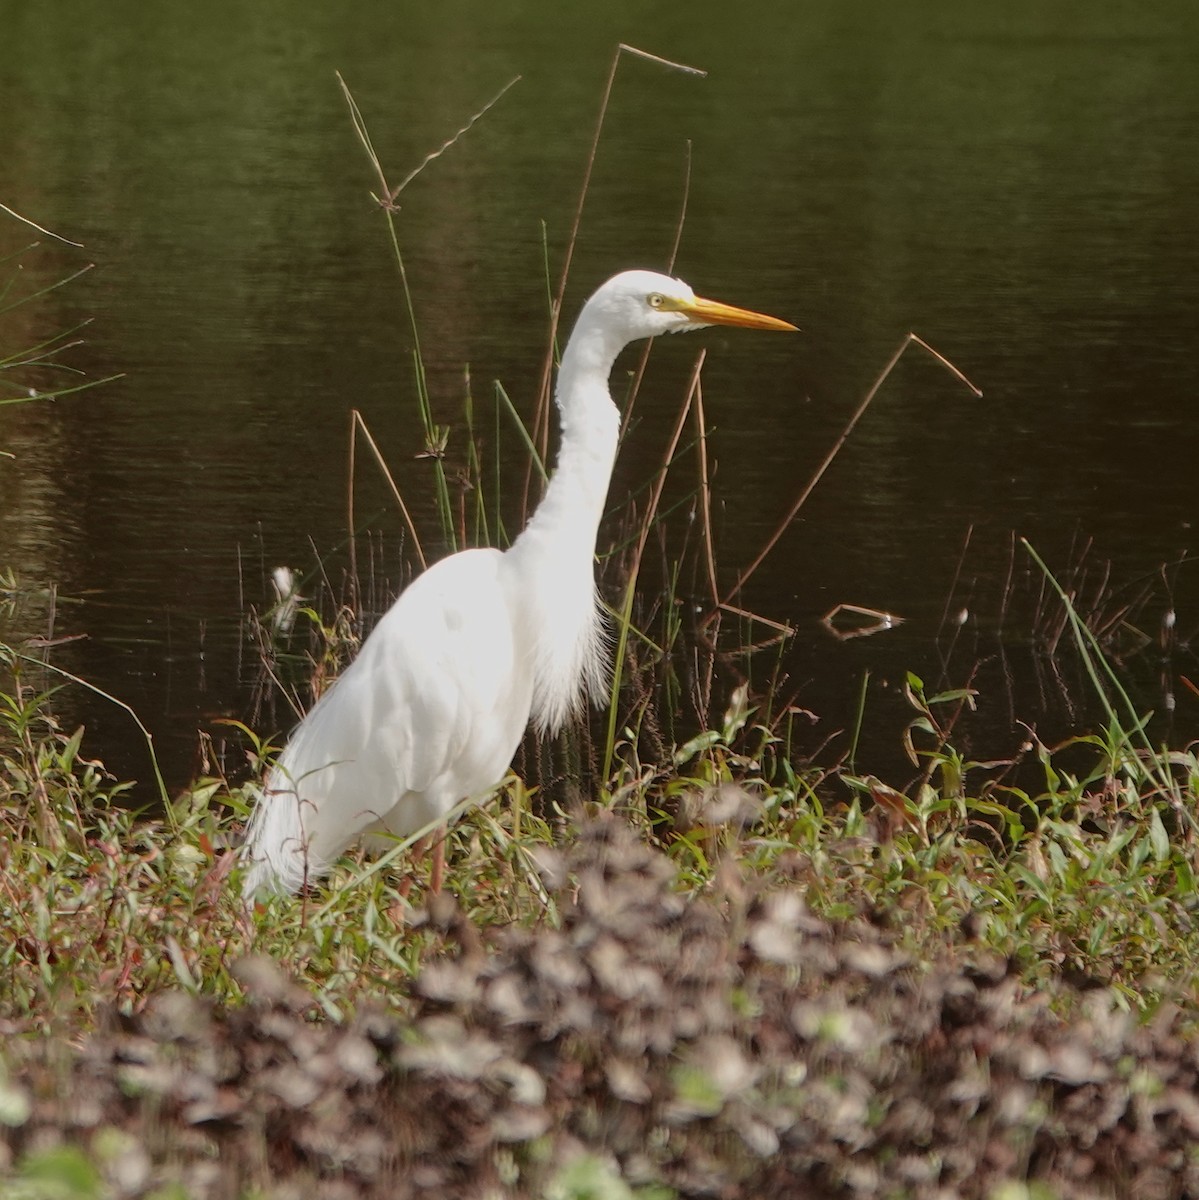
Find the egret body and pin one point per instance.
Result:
(431, 711)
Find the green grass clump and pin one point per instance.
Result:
(101, 906)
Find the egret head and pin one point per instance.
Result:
(642, 304)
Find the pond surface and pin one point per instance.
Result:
(1017, 184)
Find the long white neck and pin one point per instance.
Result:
(553, 558)
(574, 500)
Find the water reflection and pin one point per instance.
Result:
(1015, 185)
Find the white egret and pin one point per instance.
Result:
(431, 711)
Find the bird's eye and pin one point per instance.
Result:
(656, 300)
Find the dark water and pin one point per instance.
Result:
(1015, 183)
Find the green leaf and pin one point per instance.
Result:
(1159, 839)
(63, 1173)
(588, 1178)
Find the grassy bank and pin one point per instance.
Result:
(1091, 876)
(721, 976)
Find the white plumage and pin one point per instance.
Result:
(431, 711)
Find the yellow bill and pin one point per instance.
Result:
(712, 312)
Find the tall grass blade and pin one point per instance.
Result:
(357, 422)
(40, 228)
(859, 412)
(99, 691)
(541, 412)
(386, 199)
(648, 348)
(1103, 677)
(57, 393)
(625, 617)
(50, 287)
